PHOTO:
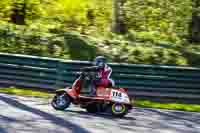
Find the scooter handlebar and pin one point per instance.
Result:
(90, 69)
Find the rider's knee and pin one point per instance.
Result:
(112, 83)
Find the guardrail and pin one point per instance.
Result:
(141, 80)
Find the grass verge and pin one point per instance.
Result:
(170, 106)
(138, 103)
(25, 92)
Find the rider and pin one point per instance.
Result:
(104, 73)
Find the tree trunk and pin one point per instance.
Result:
(18, 13)
(194, 27)
(118, 22)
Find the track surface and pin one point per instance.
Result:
(35, 115)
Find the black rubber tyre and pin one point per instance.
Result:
(61, 101)
(92, 108)
(118, 110)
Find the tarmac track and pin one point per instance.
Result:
(35, 115)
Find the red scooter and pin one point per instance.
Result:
(110, 100)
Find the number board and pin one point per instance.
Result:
(119, 96)
(116, 95)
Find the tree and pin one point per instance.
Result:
(119, 24)
(18, 12)
(194, 27)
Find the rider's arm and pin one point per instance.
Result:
(93, 68)
(108, 72)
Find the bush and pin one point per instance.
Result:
(147, 55)
(131, 48)
(192, 54)
(79, 48)
(24, 40)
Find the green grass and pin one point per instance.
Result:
(25, 92)
(171, 106)
(138, 103)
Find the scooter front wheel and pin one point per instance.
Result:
(61, 101)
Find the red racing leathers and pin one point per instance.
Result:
(104, 74)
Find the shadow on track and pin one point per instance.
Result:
(176, 115)
(54, 119)
(99, 115)
(8, 120)
(2, 130)
(173, 120)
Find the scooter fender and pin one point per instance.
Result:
(68, 91)
(72, 93)
(60, 91)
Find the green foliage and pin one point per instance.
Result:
(157, 31)
(143, 53)
(168, 18)
(85, 16)
(192, 53)
(20, 39)
(79, 48)
(5, 9)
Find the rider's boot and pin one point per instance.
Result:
(93, 90)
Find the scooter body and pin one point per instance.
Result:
(110, 100)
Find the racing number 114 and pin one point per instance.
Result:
(117, 94)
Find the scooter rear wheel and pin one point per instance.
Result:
(92, 108)
(61, 101)
(118, 110)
